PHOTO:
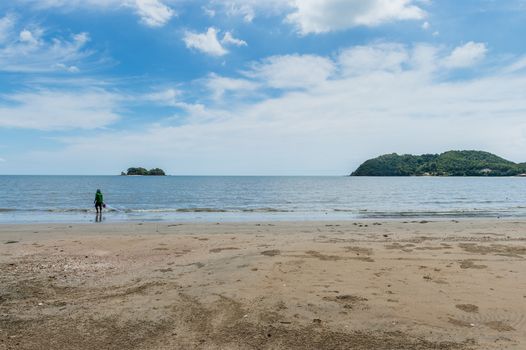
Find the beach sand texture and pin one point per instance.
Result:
(273, 285)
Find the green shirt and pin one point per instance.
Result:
(99, 199)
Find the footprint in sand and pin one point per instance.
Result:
(169, 269)
(499, 326)
(218, 250)
(273, 252)
(470, 264)
(467, 307)
(496, 319)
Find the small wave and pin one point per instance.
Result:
(176, 210)
(207, 210)
(69, 210)
(474, 213)
(7, 210)
(266, 210)
(351, 210)
(161, 210)
(76, 210)
(201, 210)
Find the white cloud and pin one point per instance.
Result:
(58, 110)
(244, 10)
(29, 51)
(153, 12)
(64, 67)
(426, 25)
(378, 57)
(6, 27)
(320, 16)
(220, 85)
(205, 42)
(27, 37)
(209, 43)
(209, 12)
(248, 9)
(228, 39)
(518, 65)
(167, 97)
(69, 4)
(466, 55)
(81, 38)
(292, 71)
(2, 160)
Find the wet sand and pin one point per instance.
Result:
(302, 285)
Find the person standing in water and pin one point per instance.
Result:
(99, 203)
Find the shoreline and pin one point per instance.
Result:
(364, 284)
(221, 218)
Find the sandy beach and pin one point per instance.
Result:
(269, 285)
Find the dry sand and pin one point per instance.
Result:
(303, 285)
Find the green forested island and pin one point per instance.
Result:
(451, 163)
(144, 172)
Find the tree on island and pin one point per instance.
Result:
(452, 163)
(156, 172)
(144, 172)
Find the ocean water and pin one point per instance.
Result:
(27, 199)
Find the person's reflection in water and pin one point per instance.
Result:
(98, 217)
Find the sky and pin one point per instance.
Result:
(248, 87)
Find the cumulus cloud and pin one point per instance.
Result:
(466, 55)
(209, 43)
(320, 16)
(228, 39)
(58, 110)
(205, 42)
(27, 37)
(153, 12)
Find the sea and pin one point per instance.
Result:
(48, 199)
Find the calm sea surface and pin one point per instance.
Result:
(25, 199)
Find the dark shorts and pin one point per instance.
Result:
(98, 206)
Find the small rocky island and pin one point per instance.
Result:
(143, 172)
(451, 163)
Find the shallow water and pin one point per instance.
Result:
(198, 198)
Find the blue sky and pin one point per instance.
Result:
(247, 87)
